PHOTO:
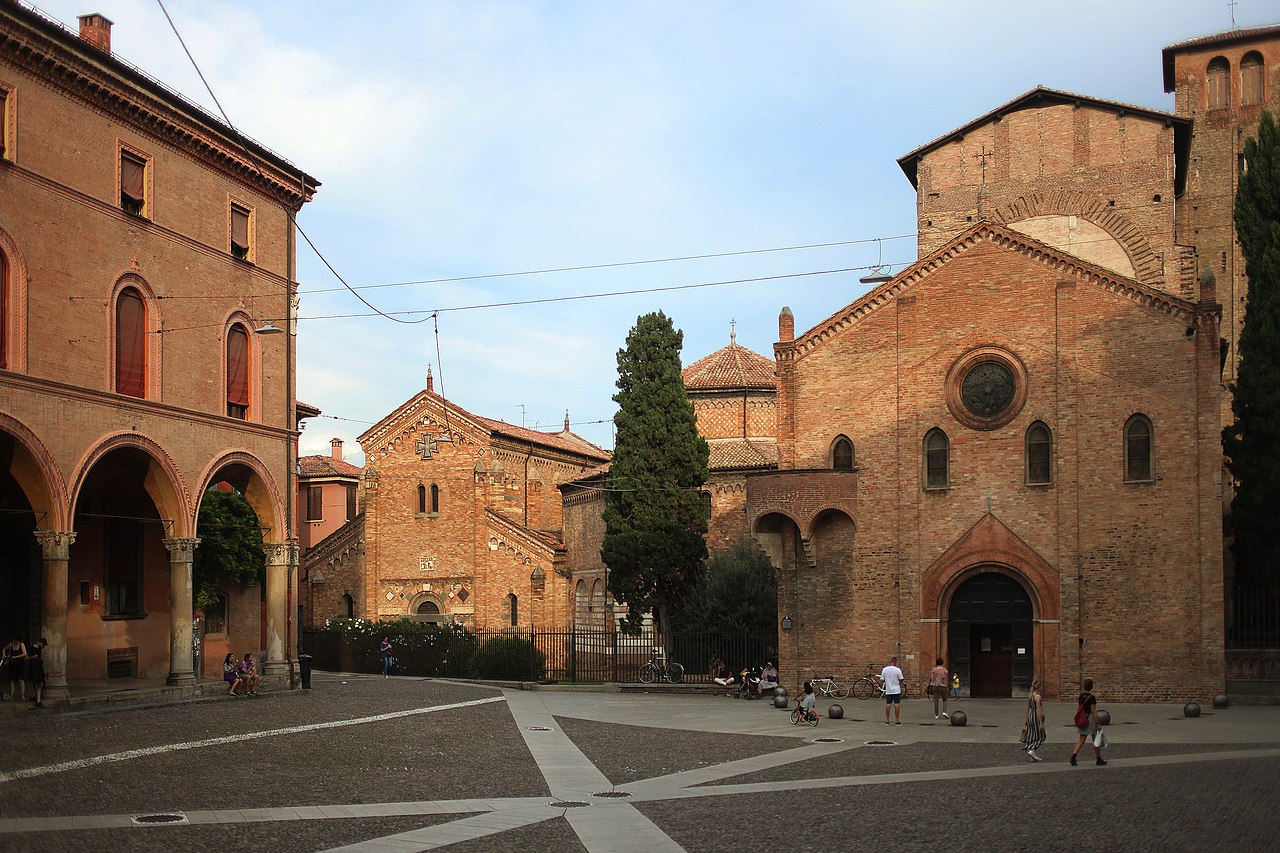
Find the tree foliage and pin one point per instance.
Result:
(1252, 443)
(230, 550)
(655, 520)
(738, 593)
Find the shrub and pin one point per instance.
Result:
(510, 659)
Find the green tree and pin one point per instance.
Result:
(230, 550)
(655, 520)
(738, 593)
(1252, 443)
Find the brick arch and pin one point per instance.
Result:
(166, 488)
(254, 480)
(438, 600)
(38, 476)
(15, 305)
(154, 331)
(1146, 262)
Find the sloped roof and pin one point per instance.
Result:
(327, 466)
(564, 439)
(1063, 262)
(733, 367)
(1034, 98)
(1203, 41)
(729, 453)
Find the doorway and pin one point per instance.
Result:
(989, 636)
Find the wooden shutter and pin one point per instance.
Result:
(351, 501)
(239, 231)
(238, 366)
(1251, 79)
(315, 503)
(131, 344)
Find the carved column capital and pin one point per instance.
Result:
(181, 550)
(56, 544)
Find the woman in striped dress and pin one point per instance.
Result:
(1035, 722)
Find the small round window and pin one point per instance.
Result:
(987, 389)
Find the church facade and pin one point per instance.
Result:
(1032, 410)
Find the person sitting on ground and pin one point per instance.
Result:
(249, 675)
(769, 677)
(231, 675)
(720, 673)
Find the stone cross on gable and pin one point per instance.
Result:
(426, 446)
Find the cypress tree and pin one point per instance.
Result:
(655, 521)
(1252, 443)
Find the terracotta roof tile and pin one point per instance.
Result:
(327, 466)
(563, 440)
(733, 366)
(742, 453)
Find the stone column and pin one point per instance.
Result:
(282, 558)
(55, 547)
(181, 552)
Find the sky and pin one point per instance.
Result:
(463, 144)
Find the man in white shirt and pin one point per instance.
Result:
(892, 678)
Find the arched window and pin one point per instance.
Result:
(707, 505)
(428, 608)
(514, 604)
(1251, 79)
(1219, 89)
(1039, 454)
(842, 454)
(238, 372)
(4, 305)
(422, 499)
(1138, 450)
(581, 606)
(937, 451)
(435, 499)
(349, 606)
(131, 343)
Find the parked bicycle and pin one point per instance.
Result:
(826, 685)
(659, 667)
(872, 685)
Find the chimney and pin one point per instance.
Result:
(96, 30)
(430, 385)
(335, 451)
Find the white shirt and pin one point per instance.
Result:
(892, 677)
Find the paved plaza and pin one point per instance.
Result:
(360, 763)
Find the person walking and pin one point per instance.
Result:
(1086, 721)
(35, 671)
(1035, 733)
(938, 688)
(891, 677)
(15, 659)
(384, 649)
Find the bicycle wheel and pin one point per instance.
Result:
(864, 688)
(813, 720)
(648, 673)
(675, 673)
(840, 691)
(795, 716)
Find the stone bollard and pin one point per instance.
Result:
(1221, 701)
(1191, 709)
(781, 701)
(1104, 718)
(959, 718)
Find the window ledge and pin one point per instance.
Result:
(930, 490)
(120, 617)
(1150, 482)
(1040, 486)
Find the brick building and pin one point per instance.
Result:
(122, 398)
(1034, 484)
(462, 519)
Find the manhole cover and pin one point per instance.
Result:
(152, 819)
(827, 740)
(612, 795)
(989, 726)
(539, 728)
(569, 804)
(1128, 723)
(881, 743)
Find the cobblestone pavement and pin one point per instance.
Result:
(361, 763)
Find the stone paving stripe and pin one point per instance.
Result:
(442, 835)
(32, 772)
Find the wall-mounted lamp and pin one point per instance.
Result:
(786, 623)
(268, 328)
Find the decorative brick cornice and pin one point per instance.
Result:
(347, 539)
(107, 85)
(1062, 264)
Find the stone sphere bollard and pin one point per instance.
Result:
(1104, 718)
(780, 691)
(1191, 709)
(781, 701)
(835, 712)
(959, 718)
(1221, 701)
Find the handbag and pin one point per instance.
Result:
(928, 691)
(1100, 739)
(1022, 738)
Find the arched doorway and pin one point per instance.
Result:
(20, 559)
(989, 635)
(429, 611)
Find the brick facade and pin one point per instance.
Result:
(112, 475)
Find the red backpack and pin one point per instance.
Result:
(1082, 714)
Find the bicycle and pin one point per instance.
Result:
(659, 667)
(798, 714)
(826, 685)
(872, 684)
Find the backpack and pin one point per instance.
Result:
(1082, 715)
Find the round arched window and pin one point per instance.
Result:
(986, 388)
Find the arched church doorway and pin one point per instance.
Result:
(989, 635)
(429, 611)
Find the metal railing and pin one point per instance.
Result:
(1253, 619)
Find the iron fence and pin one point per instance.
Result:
(591, 656)
(1253, 619)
